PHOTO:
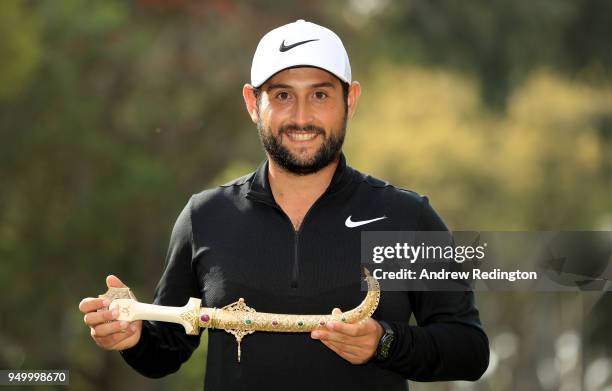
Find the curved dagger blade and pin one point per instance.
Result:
(236, 318)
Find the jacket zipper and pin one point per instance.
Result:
(296, 243)
(296, 239)
(296, 256)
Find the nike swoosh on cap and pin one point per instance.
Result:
(352, 224)
(284, 48)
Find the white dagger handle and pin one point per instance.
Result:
(188, 315)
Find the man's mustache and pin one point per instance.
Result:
(297, 128)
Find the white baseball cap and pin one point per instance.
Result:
(296, 44)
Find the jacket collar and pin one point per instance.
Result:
(260, 189)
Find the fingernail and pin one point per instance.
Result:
(330, 325)
(105, 303)
(133, 328)
(124, 325)
(115, 313)
(315, 335)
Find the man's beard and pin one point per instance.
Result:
(327, 153)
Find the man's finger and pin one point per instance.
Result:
(93, 319)
(339, 338)
(342, 350)
(104, 329)
(110, 341)
(350, 329)
(90, 304)
(113, 281)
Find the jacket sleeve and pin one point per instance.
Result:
(163, 347)
(448, 342)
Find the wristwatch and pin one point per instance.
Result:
(386, 342)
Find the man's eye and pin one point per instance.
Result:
(282, 96)
(320, 95)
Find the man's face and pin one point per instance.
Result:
(302, 119)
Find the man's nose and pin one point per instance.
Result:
(302, 112)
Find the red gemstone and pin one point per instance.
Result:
(205, 318)
(322, 323)
(274, 323)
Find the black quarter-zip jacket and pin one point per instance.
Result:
(235, 241)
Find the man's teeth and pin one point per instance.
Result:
(302, 136)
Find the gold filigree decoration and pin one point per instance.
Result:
(117, 293)
(245, 326)
(192, 316)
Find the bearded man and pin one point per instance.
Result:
(287, 238)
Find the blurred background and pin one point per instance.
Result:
(112, 113)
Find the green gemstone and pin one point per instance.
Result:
(248, 322)
(344, 319)
(300, 323)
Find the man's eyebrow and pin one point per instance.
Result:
(323, 84)
(287, 86)
(277, 85)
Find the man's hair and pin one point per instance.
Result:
(345, 91)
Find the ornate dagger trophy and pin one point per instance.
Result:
(236, 318)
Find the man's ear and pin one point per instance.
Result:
(250, 100)
(353, 96)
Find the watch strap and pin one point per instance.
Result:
(383, 351)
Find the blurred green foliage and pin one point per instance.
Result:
(113, 112)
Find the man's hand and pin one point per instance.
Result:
(108, 333)
(356, 342)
